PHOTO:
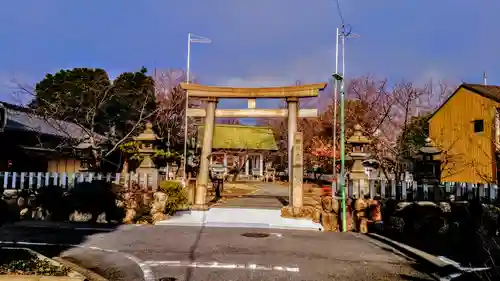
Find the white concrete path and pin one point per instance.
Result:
(235, 217)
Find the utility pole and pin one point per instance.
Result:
(340, 77)
(334, 125)
(342, 136)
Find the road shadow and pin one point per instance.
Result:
(419, 265)
(473, 249)
(47, 219)
(447, 272)
(51, 239)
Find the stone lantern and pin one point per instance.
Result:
(146, 149)
(427, 170)
(85, 150)
(359, 153)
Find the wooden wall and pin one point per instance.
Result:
(468, 156)
(64, 166)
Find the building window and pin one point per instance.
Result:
(478, 126)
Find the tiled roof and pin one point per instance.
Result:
(241, 137)
(489, 91)
(19, 118)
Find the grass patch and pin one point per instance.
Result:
(22, 262)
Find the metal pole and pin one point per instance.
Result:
(342, 140)
(168, 140)
(334, 125)
(188, 58)
(343, 57)
(186, 107)
(342, 157)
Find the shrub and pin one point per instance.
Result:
(95, 197)
(54, 200)
(176, 196)
(143, 211)
(139, 199)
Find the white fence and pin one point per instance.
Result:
(386, 189)
(411, 190)
(29, 180)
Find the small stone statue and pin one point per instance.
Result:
(360, 209)
(329, 214)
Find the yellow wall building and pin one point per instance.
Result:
(467, 129)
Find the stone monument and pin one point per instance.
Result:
(359, 146)
(297, 172)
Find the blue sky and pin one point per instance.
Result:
(255, 42)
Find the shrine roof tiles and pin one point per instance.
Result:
(241, 137)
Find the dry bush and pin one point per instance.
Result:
(176, 196)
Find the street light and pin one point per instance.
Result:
(341, 32)
(340, 78)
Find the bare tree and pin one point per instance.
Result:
(407, 104)
(171, 100)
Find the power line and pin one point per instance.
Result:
(339, 10)
(346, 29)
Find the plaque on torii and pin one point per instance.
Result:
(211, 94)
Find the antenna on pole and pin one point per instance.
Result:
(484, 78)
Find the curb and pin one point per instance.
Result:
(436, 267)
(415, 253)
(72, 275)
(90, 275)
(239, 225)
(442, 265)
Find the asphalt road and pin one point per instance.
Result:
(193, 253)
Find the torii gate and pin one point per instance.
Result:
(211, 94)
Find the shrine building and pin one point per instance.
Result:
(241, 146)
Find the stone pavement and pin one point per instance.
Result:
(200, 253)
(267, 196)
(261, 209)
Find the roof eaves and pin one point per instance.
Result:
(471, 88)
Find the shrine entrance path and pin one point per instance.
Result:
(258, 209)
(267, 196)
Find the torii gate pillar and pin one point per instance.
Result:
(206, 151)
